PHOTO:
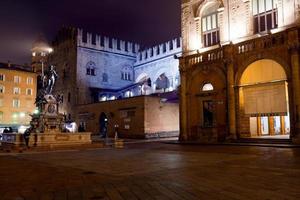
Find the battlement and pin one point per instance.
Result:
(159, 51)
(103, 43)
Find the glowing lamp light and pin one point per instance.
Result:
(50, 50)
(36, 111)
(22, 115)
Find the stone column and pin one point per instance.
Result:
(231, 93)
(282, 125)
(296, 91)
(271, 126)
(293, 42)
(183, 101)
(259, 126)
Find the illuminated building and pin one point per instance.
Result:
(17, 94)
(96, 72)
(239, 70)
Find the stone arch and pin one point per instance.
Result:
(163, 70)
(263, 97)
(208, 70)
(146, 84)
(141, 77)
(255, 58)
(214, 121)
(162, 82)
(205, 4)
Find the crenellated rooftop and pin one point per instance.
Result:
(159, 51)
(98, 42)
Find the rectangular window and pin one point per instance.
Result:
(93, 72)
(17, 79)
(214, 21)
(88, 71)
(28, 91)
(16, 103)
(1, 102)
(29, 80)
(261, 6)
(2, 77)
(17, 90)
(255, 7)
(265, 15)
(2, 89)
(210, 30)
(208, 114)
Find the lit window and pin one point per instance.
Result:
(2, 89)
(210, 28)
(29, 80)
(16, 103)
(17, 79)
(28, 91)
(17, 90)
(2, 77)
(128, 94)
(33, 54)
(207, 87)
(265, 15)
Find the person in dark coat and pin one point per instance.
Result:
(26, 136)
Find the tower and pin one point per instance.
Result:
(40, 52)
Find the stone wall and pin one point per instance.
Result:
(137, 117)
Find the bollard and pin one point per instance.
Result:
(119, 144)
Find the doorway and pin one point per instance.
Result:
(103, 125)
(264, 101)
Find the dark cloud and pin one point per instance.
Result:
(144, 21)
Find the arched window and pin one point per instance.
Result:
(207, 87)
(162, 83)
(91, 68)
(126, 73)
(210, 27)
(265, 15)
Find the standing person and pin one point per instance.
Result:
(116, 131)
(26, 136)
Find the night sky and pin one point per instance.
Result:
(147, 22)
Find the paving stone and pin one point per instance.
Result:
(153, 171)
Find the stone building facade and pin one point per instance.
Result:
(94, 68)
(136, 117)
(239, 69)
(17, 95)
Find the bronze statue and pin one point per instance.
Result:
(49, 80)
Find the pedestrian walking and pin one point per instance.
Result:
(26, 136)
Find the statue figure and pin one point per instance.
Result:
(50, 80)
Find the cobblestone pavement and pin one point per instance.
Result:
(153, 171)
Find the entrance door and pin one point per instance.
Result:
(103, 122)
